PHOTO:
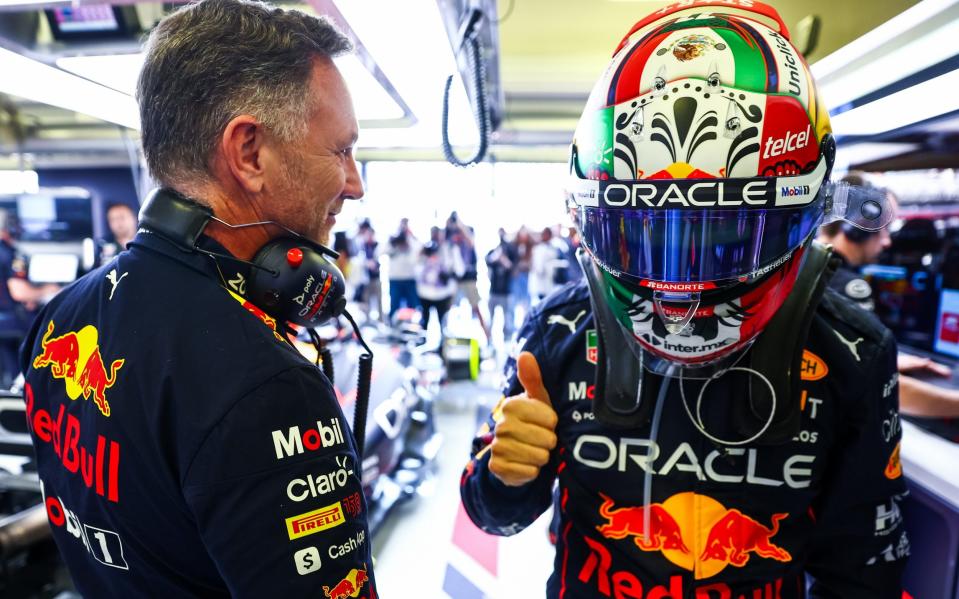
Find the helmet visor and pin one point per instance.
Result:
(697, 230)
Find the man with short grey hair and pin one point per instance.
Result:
(185, 448)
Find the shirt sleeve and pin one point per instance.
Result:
(276, 493)
(860, 545)
(492, 505)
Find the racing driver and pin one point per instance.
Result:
(719, 424)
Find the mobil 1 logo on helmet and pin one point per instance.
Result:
(294, 442)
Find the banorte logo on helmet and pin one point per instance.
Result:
(678, 525)
(75, 357)
(713, 97)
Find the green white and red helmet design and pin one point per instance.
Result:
(696, 169)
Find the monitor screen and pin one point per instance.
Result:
(48, 217)
(86, 18)
(95, 21)
(947, 324)
(53, 268)
(906, 299)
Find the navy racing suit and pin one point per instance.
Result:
(724, 521)
(185, 449)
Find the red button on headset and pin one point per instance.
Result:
(294, 257)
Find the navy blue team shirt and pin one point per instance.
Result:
(184, 447)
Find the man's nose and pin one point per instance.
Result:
(353, 189)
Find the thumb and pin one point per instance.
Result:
(527, 370)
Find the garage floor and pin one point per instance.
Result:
(429, 548)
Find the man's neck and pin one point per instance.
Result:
(234, 208)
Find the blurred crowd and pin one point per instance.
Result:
(434, 275)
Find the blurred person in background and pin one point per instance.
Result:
(548, 265)
(522, 246)
(435, 284)
(122, 222)
(857, 248)
(500, 263)
(344, 261)
(573, 270)
(19, 302)
(371, 294)
(463, 254)
(403, 252)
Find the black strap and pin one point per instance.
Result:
(624, 393)
(777, 352)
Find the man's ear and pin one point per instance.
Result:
(240, 150)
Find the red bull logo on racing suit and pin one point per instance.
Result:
(695, 532)
(350, 586)
(75, 358)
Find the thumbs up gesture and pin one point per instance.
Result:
(523, 438)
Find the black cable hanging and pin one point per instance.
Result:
(480, 109)
(364, 376)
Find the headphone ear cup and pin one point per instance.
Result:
(296, 283)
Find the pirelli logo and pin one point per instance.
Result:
(315, 521)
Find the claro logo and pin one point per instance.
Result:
(315, 485)
(293, 442)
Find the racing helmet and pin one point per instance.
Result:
(698, 177)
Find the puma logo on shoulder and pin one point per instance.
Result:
(852, 345)
(112, 277)
(560, 319)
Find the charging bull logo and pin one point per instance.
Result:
(75, 357)
(695, 532)
(350, 586)
(663, 530)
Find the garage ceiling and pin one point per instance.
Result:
(550, 53)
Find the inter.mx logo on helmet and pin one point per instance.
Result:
(294, 443)
(675, 525)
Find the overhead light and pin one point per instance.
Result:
(861, 153)
(873, 40)
(17, 182)
(889, 68)
(120, 72)
(33, 80)
(922, 101)
(417, 66)
(116, 71)
(370, 101)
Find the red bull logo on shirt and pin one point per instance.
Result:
(75, 357)
(695, 532)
